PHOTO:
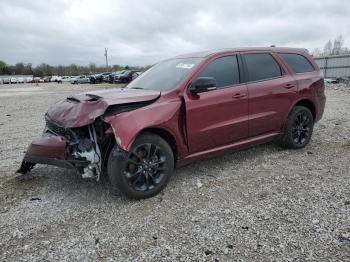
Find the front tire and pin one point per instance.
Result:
(298, 129)
(145, 170)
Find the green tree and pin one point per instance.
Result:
(19, 69)
(92, 68)
(37, 72)
(28, 70)
(73, 70)
(59, 70)
(117, 67)
(3, 68)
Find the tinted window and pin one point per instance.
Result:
(298, 63)
(224, 70)
(262, 66)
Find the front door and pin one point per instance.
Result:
(218, 117)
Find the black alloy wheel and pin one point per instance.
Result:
(145, 167)
(298, 129)
(301, 128)
(143, 171)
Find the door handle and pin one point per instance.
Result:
(238, 95)
(289, 86)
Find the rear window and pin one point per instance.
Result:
(262, 66)
(298, 63)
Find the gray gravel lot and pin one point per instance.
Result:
(262, 204)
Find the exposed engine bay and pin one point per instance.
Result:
(82, 144)
(84, 148)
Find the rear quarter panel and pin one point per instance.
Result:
(310, 86)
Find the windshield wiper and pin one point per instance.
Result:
(136, 87)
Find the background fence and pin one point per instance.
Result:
(334, 66)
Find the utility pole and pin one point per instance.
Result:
(106, 55)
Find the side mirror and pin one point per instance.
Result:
(202, 84)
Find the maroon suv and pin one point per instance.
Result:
(183, 109)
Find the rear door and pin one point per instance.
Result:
(271, 91)
(218, 117)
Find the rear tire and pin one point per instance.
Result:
(298, 129)
(145, 170)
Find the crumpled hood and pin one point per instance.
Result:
(82, 109)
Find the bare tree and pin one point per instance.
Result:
(337, 46)
(317, 52)
(327, 49)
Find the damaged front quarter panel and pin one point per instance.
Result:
(161, 115)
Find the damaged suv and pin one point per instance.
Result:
(183, 109)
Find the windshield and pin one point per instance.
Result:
(165, 75)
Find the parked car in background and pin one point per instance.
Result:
(65, 79)
(47, 79)
(38, 80)
(6, 80)
(105, 76)
(29, 80)
(57, 79)
(13, 80)
(20, 80)
(113, 75)
(126, 76)
(96, 79)
(83, 79)
(99, 78)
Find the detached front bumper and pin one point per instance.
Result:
(49, 150)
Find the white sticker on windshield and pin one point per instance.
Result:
(185, 66)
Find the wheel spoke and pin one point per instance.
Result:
(306, 121)
(147, 181)
(134, 153)
(152, 178)
(158, 168)
(162, 161)
(134, 162)
(299, 119)
(148, 150)
(132, 175)
(154, 152)
(136, 180)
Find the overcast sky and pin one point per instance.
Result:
(144, 32)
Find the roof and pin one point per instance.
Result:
(242, 49)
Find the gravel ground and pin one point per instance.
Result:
(262, 204)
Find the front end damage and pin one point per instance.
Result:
(77, 134)
(84, 148)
